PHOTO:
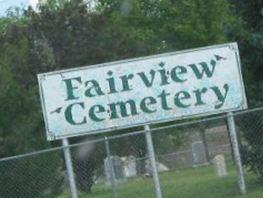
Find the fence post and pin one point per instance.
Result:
(234, 141)
(112, 173)
(151, 154)
(70, 172)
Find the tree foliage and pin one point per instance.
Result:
(21, 126)
(252, 142)
(251, 47)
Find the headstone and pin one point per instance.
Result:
(220, 166)
(107, 170)
(160, 167)
(129, 166)
(198, 153)
(148, 168)
(117, 167)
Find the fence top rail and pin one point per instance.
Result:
(102, 139)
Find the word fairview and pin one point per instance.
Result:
(140, 91)
(162, 101)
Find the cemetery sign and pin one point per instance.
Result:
(140, 91)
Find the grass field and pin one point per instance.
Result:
(194, 182)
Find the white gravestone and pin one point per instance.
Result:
(198, 153)
(160, 167)
(129, 166)
(117, 168)
(220, 166)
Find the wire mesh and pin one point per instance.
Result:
(186, 153)
(39, 175)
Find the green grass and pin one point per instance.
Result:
(193, 182)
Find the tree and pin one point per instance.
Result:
(171, 25)
(21, 128)
(251, 48)
(251, 138)
(250, 40)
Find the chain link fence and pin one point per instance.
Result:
(187, 154)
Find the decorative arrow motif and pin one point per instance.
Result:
(58, 110)
(219, 57)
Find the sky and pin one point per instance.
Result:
(5, 4)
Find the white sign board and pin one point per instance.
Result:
(140, 91)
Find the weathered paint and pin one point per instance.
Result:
(158, 88)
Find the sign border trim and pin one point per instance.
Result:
(51, 136)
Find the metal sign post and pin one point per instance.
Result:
(233, 137)
(112, 173)
(151, 154)
(70, 172)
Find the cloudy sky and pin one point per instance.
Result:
(5, 4)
